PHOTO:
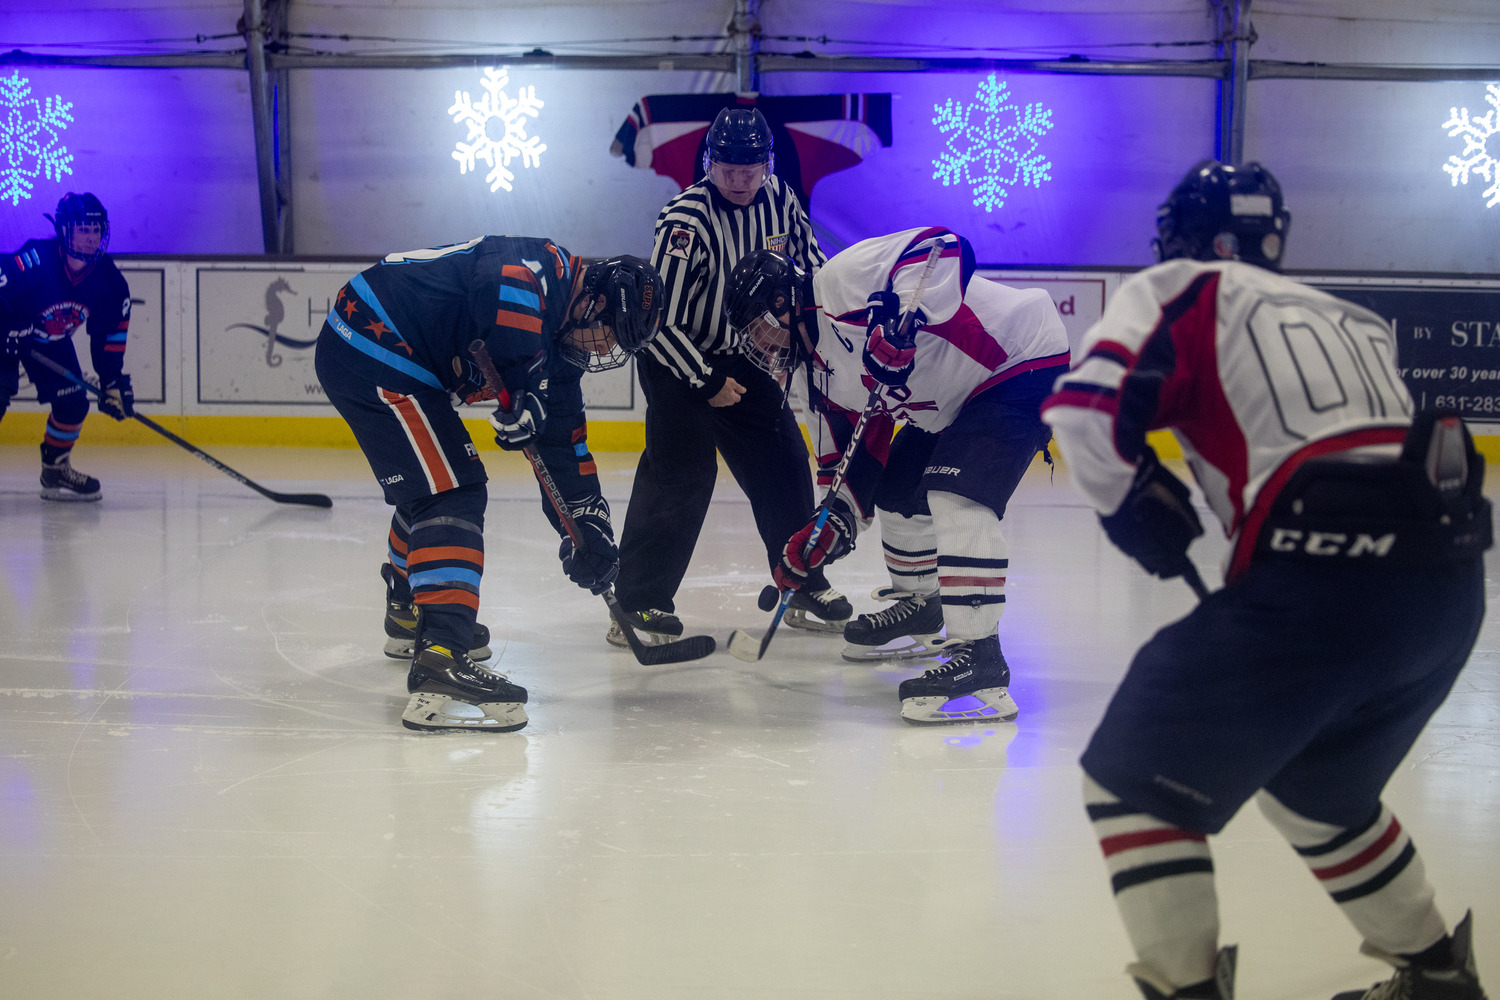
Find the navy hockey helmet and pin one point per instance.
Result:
(633, 298)
(1224, 212)
(74, 210)
(763, 302)
(739, 136)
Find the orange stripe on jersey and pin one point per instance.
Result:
(518, 272)
(429, 453)
(446, 597)
(443, 552)
(397, 545)
(518, 320)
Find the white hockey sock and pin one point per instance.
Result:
(910, 551)
(1163, 880)
(1373, 872)
(972, 560)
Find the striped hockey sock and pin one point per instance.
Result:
(1163, 880)
(972, 561)
(1372, 871)
(910, 551)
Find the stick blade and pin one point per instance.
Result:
(744, 646)
(306, 499)
(694, 647)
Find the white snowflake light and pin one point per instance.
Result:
(1476, 158)
(28, 138)
(992, 144)
(497, 129)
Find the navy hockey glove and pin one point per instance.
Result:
(804, 553)
(1156, 522)
(595, 567)
(889, 352)
(519, 427)
(471, 386)
(117, 398)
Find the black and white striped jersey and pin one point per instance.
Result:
(700, 236)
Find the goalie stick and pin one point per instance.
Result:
(307, 499)
(693, 647)
(744, 646)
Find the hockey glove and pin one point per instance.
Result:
(471, 386)
(117, 398)
(595, 566)
(889, 351)
(519, 427)
(810, 548)
(1156, 522)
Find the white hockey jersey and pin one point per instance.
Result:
(1251, 371)
(974, 339)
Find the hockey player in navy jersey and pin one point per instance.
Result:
(965, 380)
(49, 289)
(1353, 595)
(394, 357)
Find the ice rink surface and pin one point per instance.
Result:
(205, 789)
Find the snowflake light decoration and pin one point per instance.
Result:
(1476, 157)
(28, 138)
(497, 129)
(992, 145)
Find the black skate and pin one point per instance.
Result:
(401, 626)
(63, 482)
(1460, 982)
(970, 686)
(830, 608)
(1220, 987)
(910, 629)
(652, 627)
(450, 691)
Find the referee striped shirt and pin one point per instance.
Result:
(700, 236)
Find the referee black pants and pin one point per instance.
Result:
(763, 448)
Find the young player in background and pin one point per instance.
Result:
(394, 359)
(1353, 594)
(964, 373)
(48, 290)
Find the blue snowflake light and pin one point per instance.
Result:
(992, 144)
(1477, 158)
(29, 146)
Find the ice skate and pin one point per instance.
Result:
(652, 627)
(910, 629)
(970, 686)
(401, 626)
(61, 481)
(1460, 982)
(450, 691)
(818, 611)
(1220, 987)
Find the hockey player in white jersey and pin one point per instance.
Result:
(1353, 593)
(964, 374)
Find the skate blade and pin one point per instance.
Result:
(798, 618)
(400, 649)
(908, 647)
(68, 496)
(987, 705)
(433, 713)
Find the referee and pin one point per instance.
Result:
(703, 395)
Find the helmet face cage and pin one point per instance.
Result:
(761, 302)
(74, 210)
(1224, 212)
(633, 296)
(740, 137)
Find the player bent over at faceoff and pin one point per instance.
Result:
(1353, 595)
(394, 359)
(966, 376)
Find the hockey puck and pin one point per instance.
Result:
(768, 598)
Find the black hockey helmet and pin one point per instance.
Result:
(739, 136)
(80, 209)
(1224, 212)
(763, 302)
(633, 298)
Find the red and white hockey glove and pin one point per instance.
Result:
(889, 353)
(814, 546)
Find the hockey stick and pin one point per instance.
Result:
(693, 647)
(1192, 579)
(308, 499)
(744, 646)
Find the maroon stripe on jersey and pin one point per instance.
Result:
(1249, 529)
(1084, 397)
(1058, 361)
(965, 332)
